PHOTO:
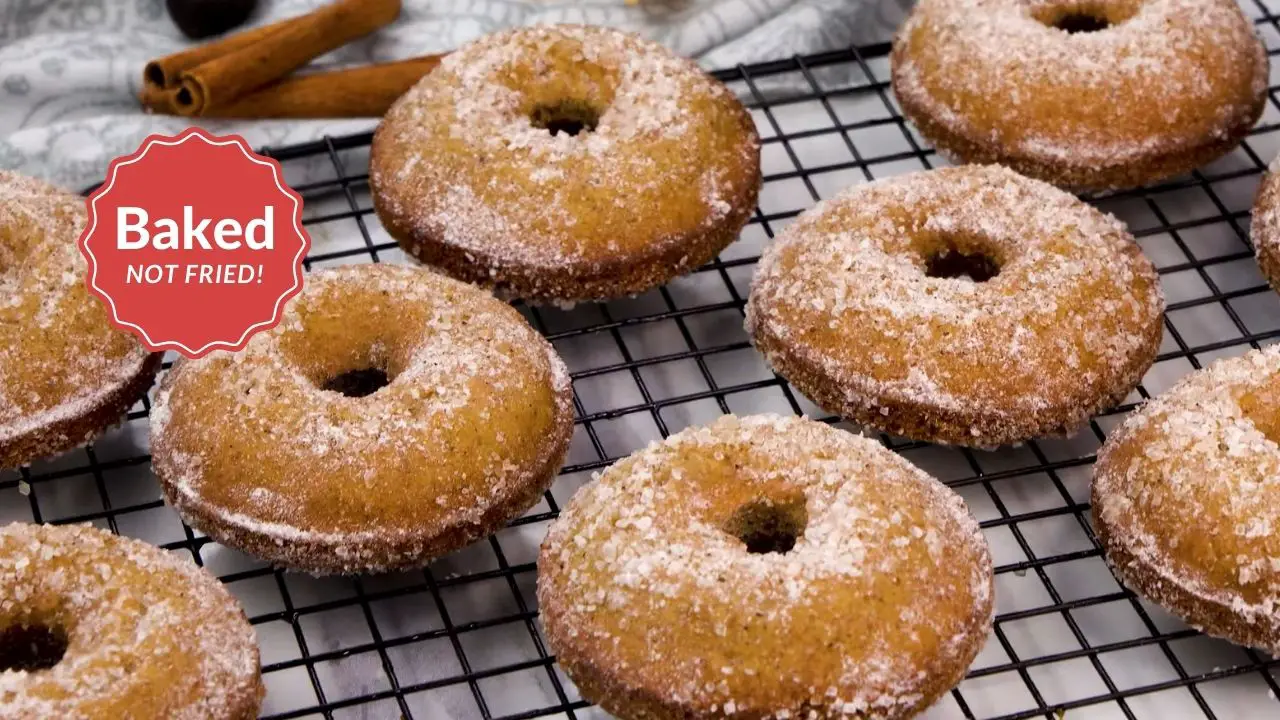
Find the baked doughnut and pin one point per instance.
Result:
(93, 625)
(966, 305)
(65, 373)
(394, 415)
(1265, 229)
(1087, 94)
(1186, 500)
(765, 567)
(565, 163)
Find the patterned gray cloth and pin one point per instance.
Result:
(69, 69)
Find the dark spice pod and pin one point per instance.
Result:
(204, 18)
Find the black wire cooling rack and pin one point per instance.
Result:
(460, 639)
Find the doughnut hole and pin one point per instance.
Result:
(1077, 18)
(769, 525)
(1262, 407)
(957, 257)
(561, 94)
(356, 371)
(570, 117)
(31, 647)
(1081, 23)
(978, 267)
(357, 383)
(355, 358)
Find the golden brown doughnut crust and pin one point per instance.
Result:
(843, 307)
(65, 373)
(1186, 500)
(1265, 229)
(658, 609)
(468, 433)
(463, 179)
(148, 633)
(1168, 87)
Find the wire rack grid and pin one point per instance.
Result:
(460, 639)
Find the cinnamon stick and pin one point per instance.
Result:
(224, 78)
(358, 92)
(164, 73)
(155, 100)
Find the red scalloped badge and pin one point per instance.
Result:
(194, 243)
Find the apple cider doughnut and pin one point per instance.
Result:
(565, 163)
(101, 627)
(1186, 500)
(394, 415)
(765, 567)
(968, 305)
(66, 374)
(1265, 229)
(1086, 94)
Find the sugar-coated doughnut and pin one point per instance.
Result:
(1186, 500)
(1265, 228)
(394, 415)
(1088, 95)
(565, 163)
(65, 373)
(968, 305)
(765, 567)
(100, 627)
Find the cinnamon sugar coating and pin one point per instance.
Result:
(1265, 227)
(65, 373)
(464, 177)
(148, 634)
(844, 307)
(1164, 87)
(659, 608)
(467, 434)
(1186, 500)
